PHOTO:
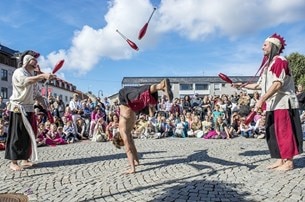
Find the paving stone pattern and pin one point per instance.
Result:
(172, 169)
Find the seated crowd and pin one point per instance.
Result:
(207, 117)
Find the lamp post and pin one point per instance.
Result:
(100, 93)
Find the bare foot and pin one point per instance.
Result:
(167, 90)
(26, 164)
(130, 171)
(15, 167)
(288, 165)
(136, 163)
(276, 164)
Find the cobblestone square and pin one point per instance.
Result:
(172, 169)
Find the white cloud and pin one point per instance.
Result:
(192, 19)
(197, 19)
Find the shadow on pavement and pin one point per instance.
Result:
(87, 160)
(254, 153)
(197, 157)
(187, 189)
(203, 190)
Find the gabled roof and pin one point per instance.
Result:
(7, 50)
(186, 79)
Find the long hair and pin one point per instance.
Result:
(274, 52)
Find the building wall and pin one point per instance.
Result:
(181, 86)
(8, 64)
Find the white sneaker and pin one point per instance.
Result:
(261, 136)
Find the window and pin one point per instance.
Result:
(3, 74)
(216, 86)
(4, 93)
(201, 87)
(186, 86)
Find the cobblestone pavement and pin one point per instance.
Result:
(171, 169)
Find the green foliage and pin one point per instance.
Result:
(297, 65)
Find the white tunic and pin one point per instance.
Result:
(279, 70)
(23, 92)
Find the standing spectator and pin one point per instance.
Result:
(196, 101)
(2, 107)
(59, 106)
(175, 108)
(301, 97)
(206, 105)
(254, 99)
(218, 112)
(283, 125)
(187, 103)
(76, 108)
(21, 143)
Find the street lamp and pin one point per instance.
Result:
(100, 93)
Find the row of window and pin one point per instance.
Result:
(8, 61)
(4, 93)
(4, 74)
(199, 86)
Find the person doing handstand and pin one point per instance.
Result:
(137, 99)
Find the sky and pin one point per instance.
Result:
(184, 37)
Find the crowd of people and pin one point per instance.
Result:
(207, 117)
(217, 117)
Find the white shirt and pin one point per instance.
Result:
(23, 92)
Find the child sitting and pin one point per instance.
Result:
(246, 130)
(3, 136)
(52, 136)
(69, 132)
(99, 134)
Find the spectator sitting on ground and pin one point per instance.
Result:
(81, 132)
(112, 126)
(246, 130)
(41, 135)
(3, 136)
(182, 127)
(235, 123)
(69, 131)
(260, 127)
(196, 128)
(140, 125)
(207, 125)
(218, 112)
(52, 136)
(99, 134)
(222, 129)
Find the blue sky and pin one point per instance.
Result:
(184, 37)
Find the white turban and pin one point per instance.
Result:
(27, 59)
(275, 41)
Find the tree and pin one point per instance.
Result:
(297, 65)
